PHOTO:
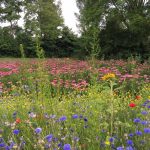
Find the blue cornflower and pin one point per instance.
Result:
(131, 134)
(146, 130)
(129, 148)
(138, 133)
(60, 145)
(63, 118)
(76, 139)
(12, 144)
(81, 116)
(38, 130)
(129, 142)
(120, 148)
(144, 122)
(52, 116)
(8, 148)
(136, 120)
(85, 119)
(16, 131)
(148, 106)
(1, 140)
(2, 145)
(86, 126)
(47, 146)
(142, 142)
(14, 114)
(49, 137)
(111, 139)
(75, 116)
(67, 147)
(144, 112)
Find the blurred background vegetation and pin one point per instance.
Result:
(115, 29)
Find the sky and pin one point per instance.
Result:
(68, 9)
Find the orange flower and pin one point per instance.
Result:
(18, 120)
(138, 97)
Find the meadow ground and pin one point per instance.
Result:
(69, 104)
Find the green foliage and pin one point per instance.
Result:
(22, 51)
(124, 25)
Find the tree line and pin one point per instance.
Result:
(108, 28)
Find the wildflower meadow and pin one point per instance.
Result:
(68, 104)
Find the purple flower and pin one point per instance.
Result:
(47, 146)
(136, 120)
(16, 131)
(49, 137)
(129, 142)
(131, 134)
(60, 145)
(146, 130)
(111, 139)
(76, 139)
(129, 148)
(38, 130)
(67, 147)
(142, 142)
(75, 116)
(2, 145)
(81, 116)
(144, 122)
(144, 112)
(120, 148)
(63, 118)
(85, 119)
(138, 133)
(52, 116)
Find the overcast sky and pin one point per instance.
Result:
(68, 9)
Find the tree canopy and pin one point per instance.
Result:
(108, 28)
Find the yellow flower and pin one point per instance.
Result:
(107, 142)
(108, 76)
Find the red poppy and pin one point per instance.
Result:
(138, 97)
(132, 105)
(18, 120)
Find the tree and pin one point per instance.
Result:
(10, 12)
(42, 18)
(90, 17)
(124, 24)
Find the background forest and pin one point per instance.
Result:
(108, 29)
